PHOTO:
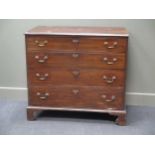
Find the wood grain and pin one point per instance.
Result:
(78, 31)
(66, 60)
(87, 97)
(77, 68)
(74, 43)
(75, 76)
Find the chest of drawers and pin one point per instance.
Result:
(77, 69)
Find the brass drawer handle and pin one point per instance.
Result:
(75, 41)
(105, 59)
(42, 77)
(114, 45)
(76, 73)
(41, 60)
(41, 43)
(75, 55)
(42, 96)
(107, 99)
(75, 91)
(109, 80)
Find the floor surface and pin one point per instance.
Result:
(140, 120)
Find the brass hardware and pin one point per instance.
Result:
(41, 43)
(108, 100)
(43, 96)
(75, 40)
(110, 62)
(41, 60)
(108, 80)
(42, 77)
(75, 55)
(76, 73)
(75, 91)
(106, 44)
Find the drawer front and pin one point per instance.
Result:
(103, 44)
(77, 97)
(51, 43)
(92, 77)
(81, 44)
(48, 59)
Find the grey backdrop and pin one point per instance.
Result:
(141, 56)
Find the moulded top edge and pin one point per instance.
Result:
(79, 31)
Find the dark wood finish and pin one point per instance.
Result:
(103, 44)
(76, 76)
(77, 69)
(77, 97)
(69, 60)
(81, 44)
(121, 119)
(51, 43)
(31, 114)
(78, 31)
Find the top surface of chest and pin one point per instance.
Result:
(78, 31)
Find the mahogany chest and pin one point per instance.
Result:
(77, 69)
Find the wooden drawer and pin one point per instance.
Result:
(48, 59)
(51, 43)
(103, 44)
(81, 44)
(77, 97)
(92, 77)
